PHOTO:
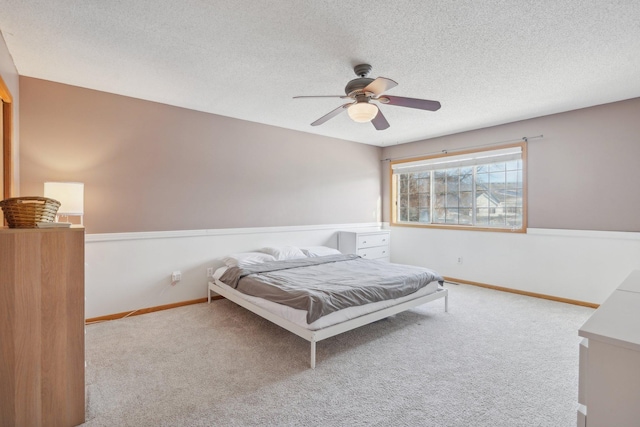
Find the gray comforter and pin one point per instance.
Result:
(322, 285)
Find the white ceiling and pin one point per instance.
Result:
(488, 62)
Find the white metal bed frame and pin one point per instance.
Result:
(318, 335)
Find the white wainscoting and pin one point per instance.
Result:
(574, 264)
(131, 271)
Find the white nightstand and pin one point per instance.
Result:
(367, 244)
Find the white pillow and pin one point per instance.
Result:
(283, 252)
(313, 251)
(246, 258)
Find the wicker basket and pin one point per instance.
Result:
(26, 212)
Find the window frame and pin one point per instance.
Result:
(394, 192)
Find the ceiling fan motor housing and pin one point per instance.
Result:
(357, 85)
(361, 70)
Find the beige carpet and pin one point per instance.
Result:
(496, 359)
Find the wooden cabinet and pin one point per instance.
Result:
(367, 244)
(609, 382)
(42, 327)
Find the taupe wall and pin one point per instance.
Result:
(149, 166)
(584, 174)
(154, 167)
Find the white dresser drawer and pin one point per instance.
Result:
(370, 244)
(369, 240)
(374, 253)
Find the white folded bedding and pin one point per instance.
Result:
(299, 316)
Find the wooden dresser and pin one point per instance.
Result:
(367, 244)
(42, 327)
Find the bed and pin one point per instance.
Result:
(317, 292)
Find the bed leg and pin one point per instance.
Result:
(208, 294)
(313, 354)
(446, 303)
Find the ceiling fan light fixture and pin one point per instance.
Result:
(362, 112)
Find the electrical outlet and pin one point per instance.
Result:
(210, 272)
(176, 276)
(459, 260)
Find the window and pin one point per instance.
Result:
(482, 189)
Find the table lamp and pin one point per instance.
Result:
(70, 195)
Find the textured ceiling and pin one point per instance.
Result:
(488, 62)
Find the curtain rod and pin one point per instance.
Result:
(524, 138)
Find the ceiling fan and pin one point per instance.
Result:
(362, 91)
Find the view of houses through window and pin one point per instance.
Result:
(483, 189)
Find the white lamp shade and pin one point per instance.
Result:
(362, 112)
(69, 194)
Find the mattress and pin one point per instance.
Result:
(322, 285)
(299, 317)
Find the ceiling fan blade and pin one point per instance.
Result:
(379, 121)
(380, 85)
(421, 104)
(330, 115)
(322, 96)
